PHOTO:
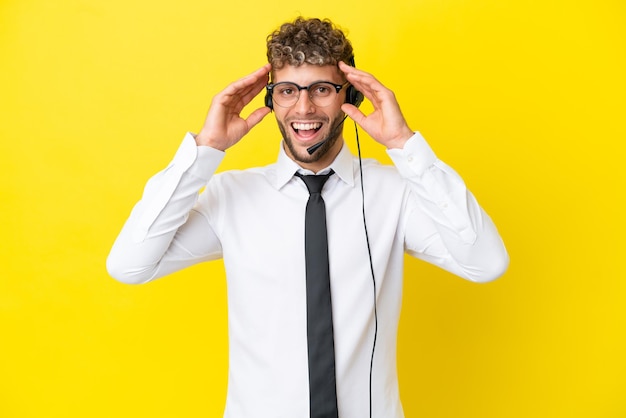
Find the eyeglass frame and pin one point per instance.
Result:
(270, 90)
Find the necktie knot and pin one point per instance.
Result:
(315, 184)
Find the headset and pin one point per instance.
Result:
(353, 96)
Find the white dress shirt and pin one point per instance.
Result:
(254, 220)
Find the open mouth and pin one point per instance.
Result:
(306, 130)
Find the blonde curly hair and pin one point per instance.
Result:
(311, 41)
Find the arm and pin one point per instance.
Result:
(163, 233)
(447, 227)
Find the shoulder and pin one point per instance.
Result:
(249, 178)
(374, 168)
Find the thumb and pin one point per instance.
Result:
(257, 116)
(354, 113)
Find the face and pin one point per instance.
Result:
(304, 124)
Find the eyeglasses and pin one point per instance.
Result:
(321, 93)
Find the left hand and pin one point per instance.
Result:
(385, 124)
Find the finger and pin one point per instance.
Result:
(373, 90)
(248, 86)
(259, 76)
(348, 69)
(362, 81)
(237, 102)
(257, 116)
(365, 81)
(354, 113)
(250, 94)
(360, 76)
(258, 86)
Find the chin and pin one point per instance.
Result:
(300, 154)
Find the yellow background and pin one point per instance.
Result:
(525, 98)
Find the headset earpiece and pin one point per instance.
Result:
(353, 96)
(268, 99)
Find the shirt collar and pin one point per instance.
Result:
(286, 167)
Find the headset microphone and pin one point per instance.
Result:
(315, 147)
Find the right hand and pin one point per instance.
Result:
(224, 126)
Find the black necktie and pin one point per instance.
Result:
(322, 388)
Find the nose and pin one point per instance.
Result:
(304, 105)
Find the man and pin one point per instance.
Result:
(255, 220)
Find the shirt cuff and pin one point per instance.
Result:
(199, 161)
(415, 158)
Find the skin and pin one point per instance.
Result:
(224, 126)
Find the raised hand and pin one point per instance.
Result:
(385, 124)
(224, 126)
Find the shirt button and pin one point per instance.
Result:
(410, 159)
